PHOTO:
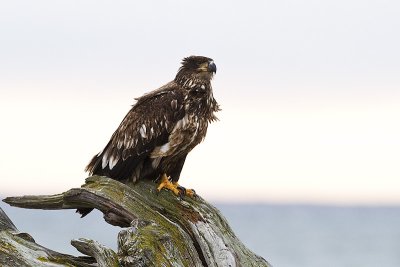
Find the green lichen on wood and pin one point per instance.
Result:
(105, 257)
(51, 260)
(153, 234)
(161, 229)
(16, 251)
(150, 244)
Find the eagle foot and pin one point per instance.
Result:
(186, 192)
(178, 190)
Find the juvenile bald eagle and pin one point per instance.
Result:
(156, 135)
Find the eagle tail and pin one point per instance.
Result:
(94, 166)
(84, 211)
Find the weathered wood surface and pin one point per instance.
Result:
(20, 249)
(160, 229)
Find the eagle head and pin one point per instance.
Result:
(197, 68)
(199, 64)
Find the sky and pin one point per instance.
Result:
(309, 92)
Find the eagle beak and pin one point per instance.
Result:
(212, 67)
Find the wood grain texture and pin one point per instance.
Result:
(159, 229)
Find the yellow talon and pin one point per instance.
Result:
(166, 183)
(189, 192)
(174, 187)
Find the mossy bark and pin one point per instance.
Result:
(159, 229)
(19, 249)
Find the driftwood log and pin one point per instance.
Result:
(158, 230)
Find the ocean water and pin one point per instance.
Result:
(319, 236)
(285, 235)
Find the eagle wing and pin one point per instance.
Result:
(146, 126)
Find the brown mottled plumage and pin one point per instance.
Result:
(163, 126)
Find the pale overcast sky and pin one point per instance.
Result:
(310, 92)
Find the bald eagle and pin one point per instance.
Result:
(161, 128)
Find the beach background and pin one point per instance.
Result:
(304, 160)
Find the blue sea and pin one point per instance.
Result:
(285, 235)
